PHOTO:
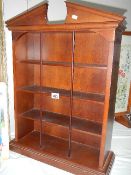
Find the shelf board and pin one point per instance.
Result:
(59, 147)
(56, 63)
(59, 119)
(28, 61)
(63, 92)
(62, 63)
(101, 66)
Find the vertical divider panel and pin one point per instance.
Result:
(41, 97)
(71, 93)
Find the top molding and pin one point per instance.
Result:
(76, 14)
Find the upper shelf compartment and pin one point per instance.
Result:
(45, 47)
(27, 47)
(39, 47)
(95, 50)
(57, 46)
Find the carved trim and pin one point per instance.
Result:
(109, 162)
(66, 27)
(61, 163)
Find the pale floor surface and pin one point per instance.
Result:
(121, 145)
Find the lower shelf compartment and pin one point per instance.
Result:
(83, 160)
(77, 123)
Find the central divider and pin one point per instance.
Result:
(41, 98)
(71, 95)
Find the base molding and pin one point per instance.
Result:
(64, 164)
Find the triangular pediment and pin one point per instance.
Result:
(34, 16)
(77, 13)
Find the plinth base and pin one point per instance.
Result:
(83, 161)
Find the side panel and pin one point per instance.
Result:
(111, 87)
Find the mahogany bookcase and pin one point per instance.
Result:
(65, 78)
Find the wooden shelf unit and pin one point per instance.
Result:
(78, 61)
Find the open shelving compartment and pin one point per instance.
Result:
(72, 112)
(64, 91)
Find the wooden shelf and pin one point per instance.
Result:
(56, 63)
(28, 61)
(101, 66)
(79, 124)
(66, 64)
(76, 94)
(59, 147)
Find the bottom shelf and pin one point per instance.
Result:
(83, 159)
